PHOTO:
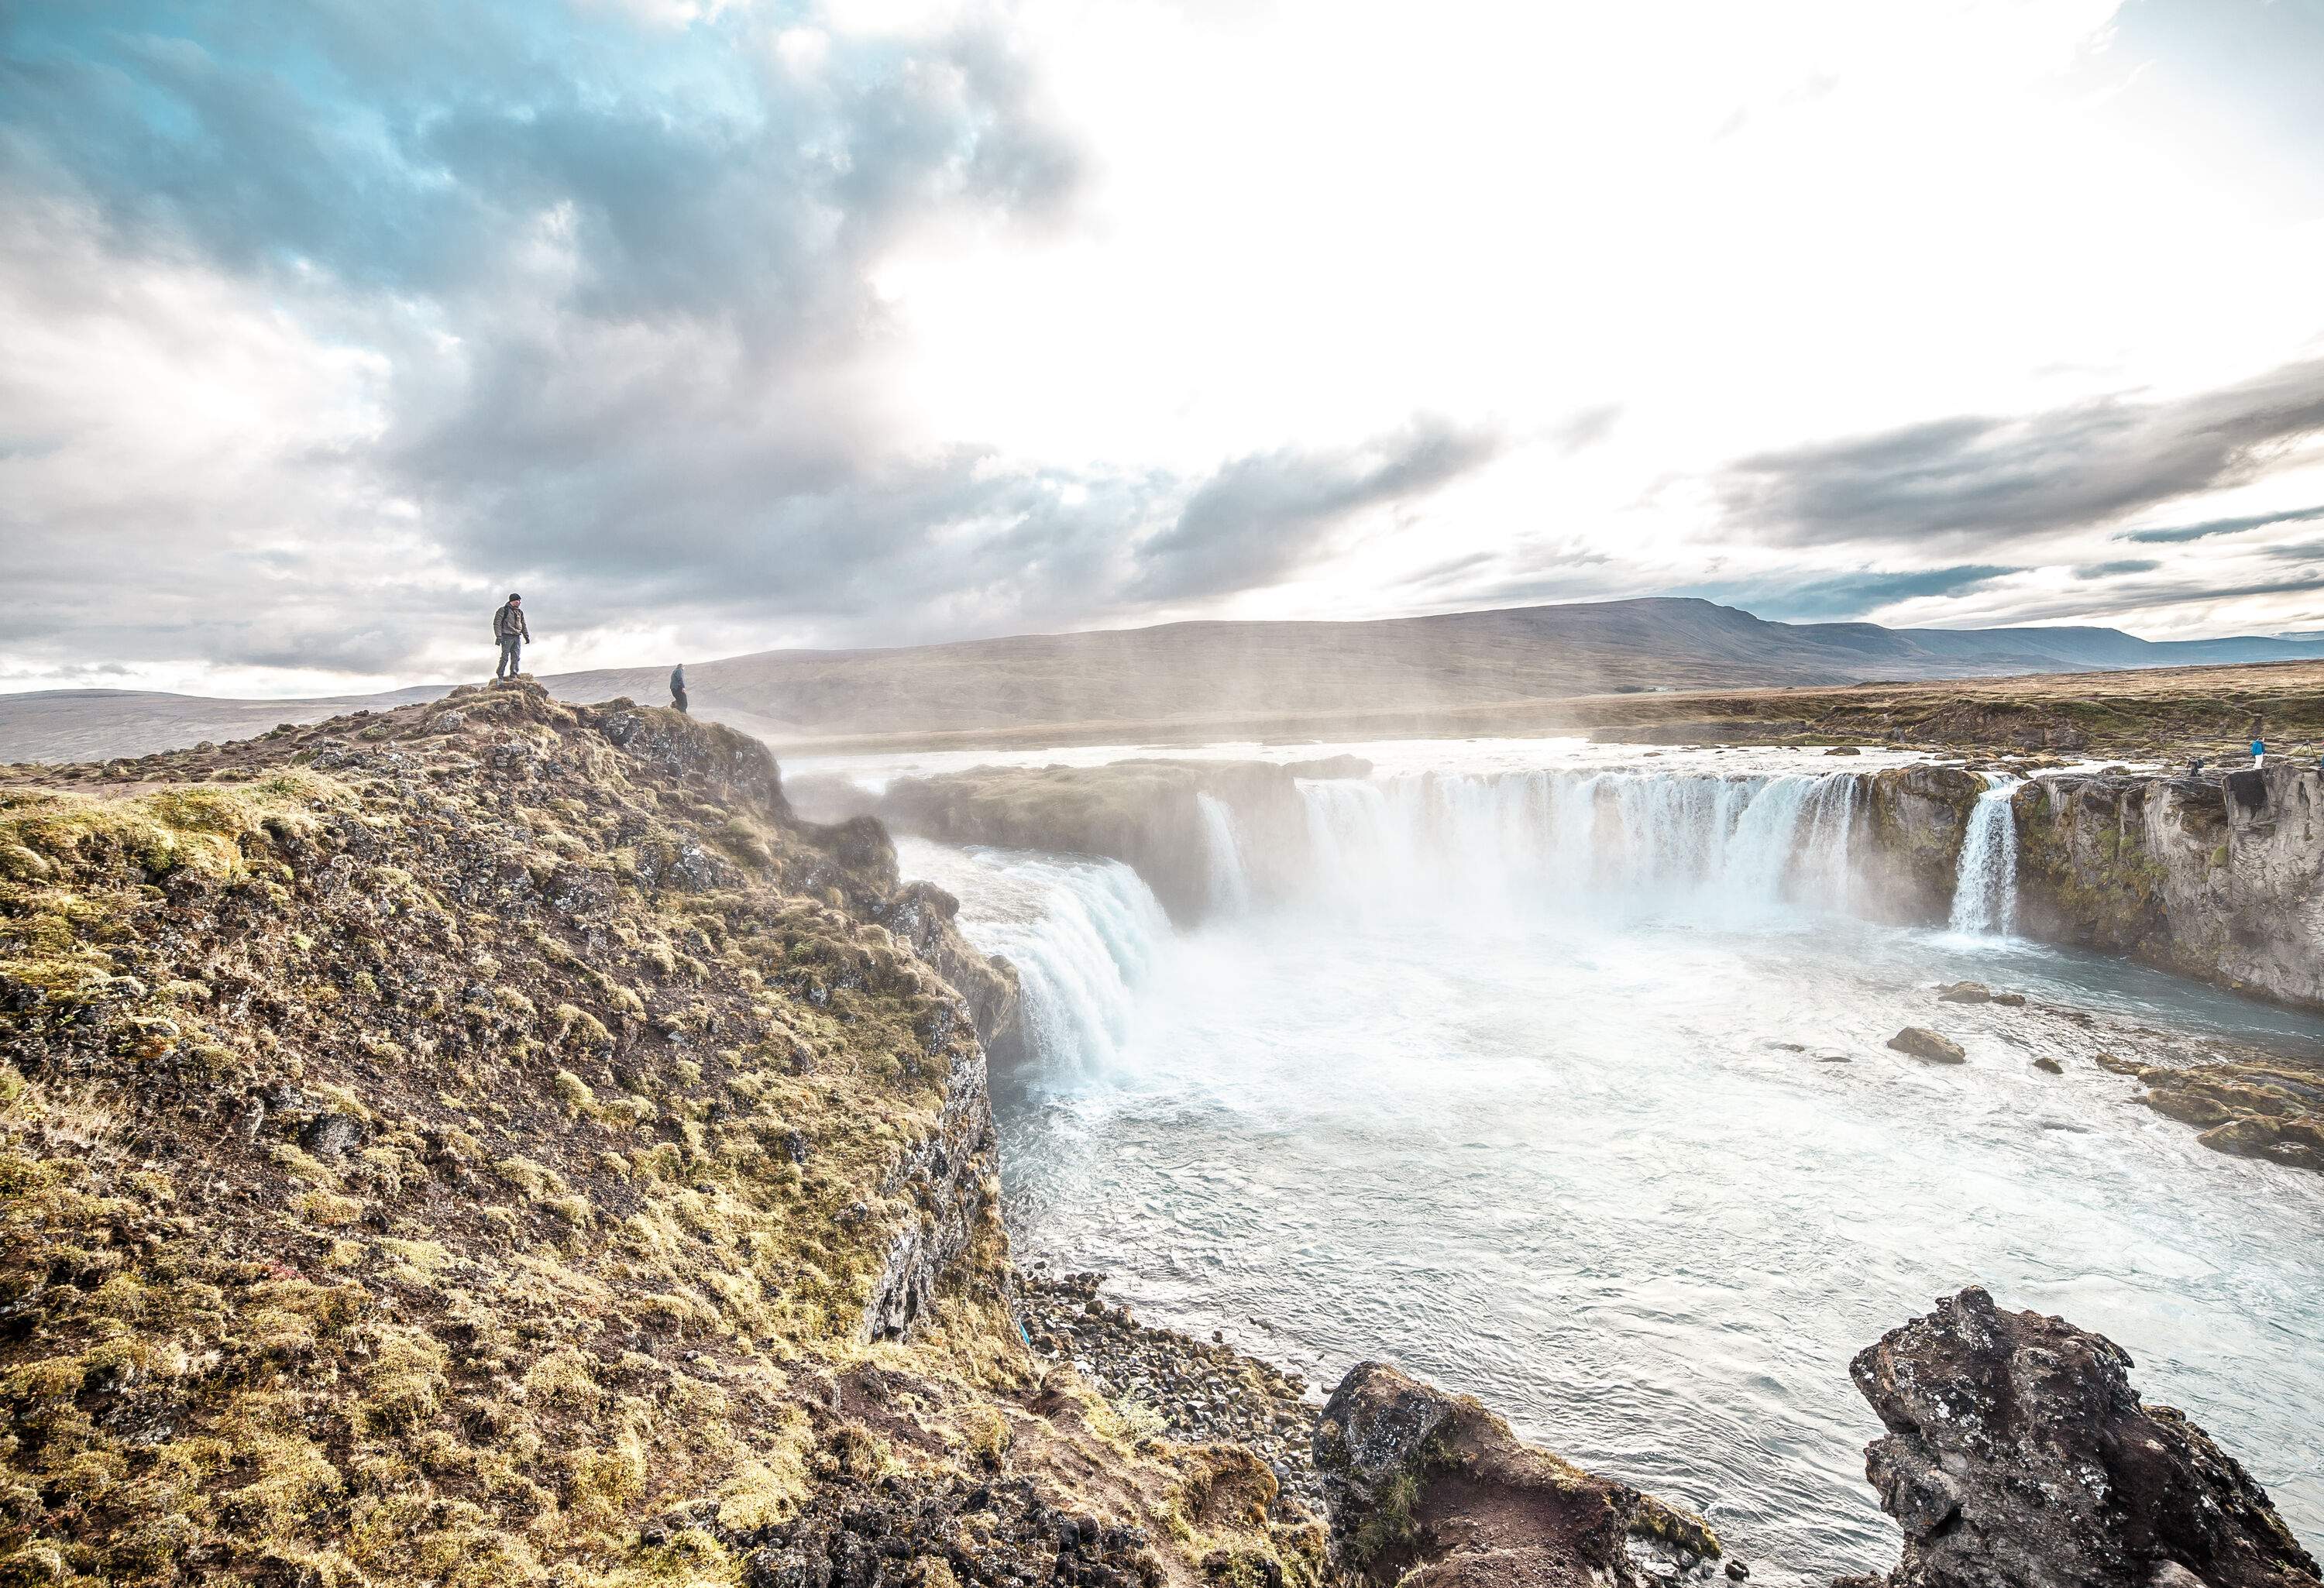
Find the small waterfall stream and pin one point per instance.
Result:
(1229, 873)
(1985, 886)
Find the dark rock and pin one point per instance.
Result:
(2010, 999)
(2049, 1066)
(1737, 1571)
(1920, 1042)
(2018, 1457)
(1435, 1485)
(331, 1135)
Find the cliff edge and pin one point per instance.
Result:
(497, 1142)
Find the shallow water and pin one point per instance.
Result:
(1545, 1145)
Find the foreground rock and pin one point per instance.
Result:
(2018, 1457)
(1920, 1042)
(1433, 1491)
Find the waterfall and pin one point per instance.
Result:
(1985, 884)
(1733, 842)
(1229, 877)
(1082, 934)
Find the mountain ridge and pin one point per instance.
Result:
(1221, 669)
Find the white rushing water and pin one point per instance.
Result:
(1984, 889)
(1229, 873)
(1569, 1088)
(1736, 844)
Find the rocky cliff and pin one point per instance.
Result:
(1914, 818)
(497, 1142)
(2220, 877)
(1148, 814)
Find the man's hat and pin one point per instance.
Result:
(514, 597)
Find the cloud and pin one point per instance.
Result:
(1974, 480)
(508, 294)
(1583, 430)
(2107, 571)
(1261, 516)
(1844, 596)
(2205, 531)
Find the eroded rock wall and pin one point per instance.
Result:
(2220, 878)
(1914, 819)
(1147, 814)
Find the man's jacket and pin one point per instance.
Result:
(510, 620)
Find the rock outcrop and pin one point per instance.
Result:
(2220, 878)
(1147, 814)
(2018, 1457)
(1433, 1491)
(2257, 1107)
(1914, 820)
(1920, 1042)
(476, 1145)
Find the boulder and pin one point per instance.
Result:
(1966, 993)
(1434, 1485)
(1923, 1043)
(2018, 1457)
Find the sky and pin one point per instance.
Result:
(719, 327)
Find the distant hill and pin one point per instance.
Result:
(1212, 673)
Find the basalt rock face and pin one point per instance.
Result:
(1147, 814)
(2018, 1457)
(1915, 819)
(1433, 1491)
(2217, 877)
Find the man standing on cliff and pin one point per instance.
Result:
(509, 630)
(678, 687)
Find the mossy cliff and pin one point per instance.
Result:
(1914, 820)
(2219, 877)
(497, 1142)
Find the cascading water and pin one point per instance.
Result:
(1985, 885)
(1555, 1116)
(1082, 934)
(1733, 843)
(1230, 875)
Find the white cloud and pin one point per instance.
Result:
(861, 321)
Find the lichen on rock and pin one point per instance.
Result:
(435, 1144)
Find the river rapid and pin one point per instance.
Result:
(1572, 1094)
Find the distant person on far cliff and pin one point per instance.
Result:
(678, 686)
(509, 630)
(2259, 753)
